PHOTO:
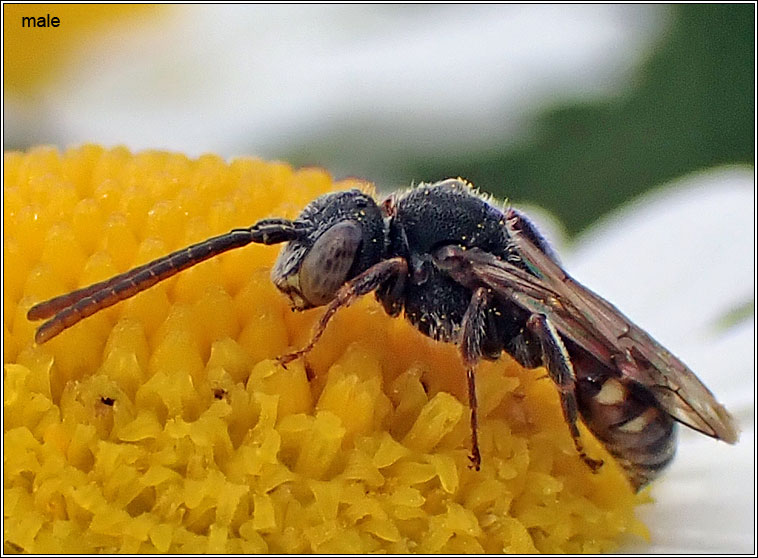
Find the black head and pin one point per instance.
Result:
(343, 235)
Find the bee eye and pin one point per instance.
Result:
(326, 265)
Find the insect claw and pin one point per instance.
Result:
(593, 464)
(476, 460)
(309, 373)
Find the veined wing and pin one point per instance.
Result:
(597, 326)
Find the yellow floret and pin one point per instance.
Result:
(164, 424)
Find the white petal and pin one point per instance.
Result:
(224, 78)
(676, 262)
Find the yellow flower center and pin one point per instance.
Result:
(162, 424)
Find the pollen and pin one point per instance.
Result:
(164, 424)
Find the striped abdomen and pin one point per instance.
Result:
(626, 418)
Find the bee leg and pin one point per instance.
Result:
(471, 337)
(556, 359)
(393, 269)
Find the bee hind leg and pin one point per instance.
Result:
(556, 359)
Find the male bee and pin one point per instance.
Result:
(469, 273)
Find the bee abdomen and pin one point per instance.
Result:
(625, 416)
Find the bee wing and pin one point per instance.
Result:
(602, 330)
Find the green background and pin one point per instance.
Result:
(689, 106)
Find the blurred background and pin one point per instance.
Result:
(575, 108)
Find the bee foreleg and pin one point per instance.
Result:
(556, 359)
(393, 269)
(471, 337)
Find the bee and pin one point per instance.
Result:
(466, 272)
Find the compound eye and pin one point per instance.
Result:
(326, 265)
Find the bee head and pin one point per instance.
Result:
(343, 235)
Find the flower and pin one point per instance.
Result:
(163, 424)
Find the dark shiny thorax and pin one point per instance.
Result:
(428, 217)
